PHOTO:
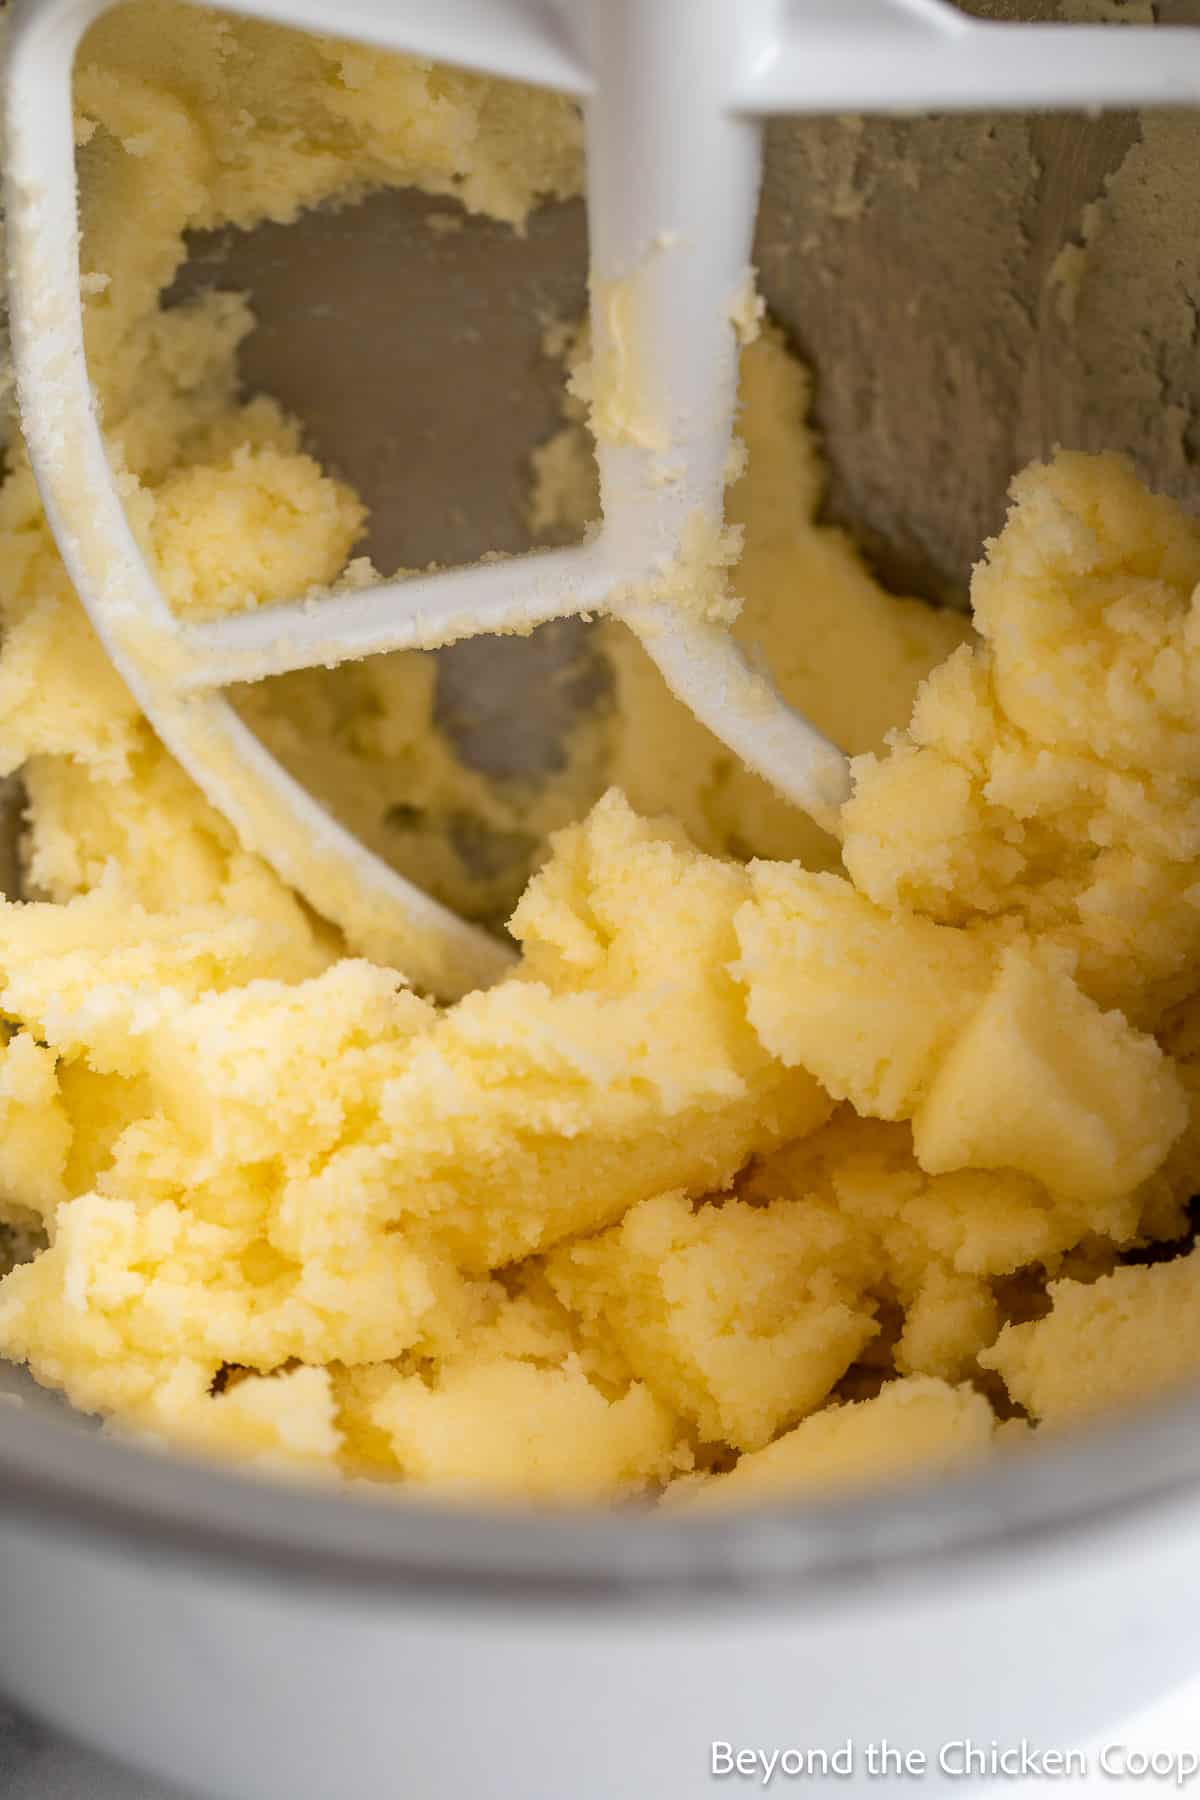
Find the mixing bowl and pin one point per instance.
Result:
(258, 1641)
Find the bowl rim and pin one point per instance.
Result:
(145, 1499)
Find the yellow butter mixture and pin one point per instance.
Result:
(776, 1162)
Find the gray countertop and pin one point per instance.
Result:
(37, 1764)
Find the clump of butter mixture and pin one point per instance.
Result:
(774, 1164)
